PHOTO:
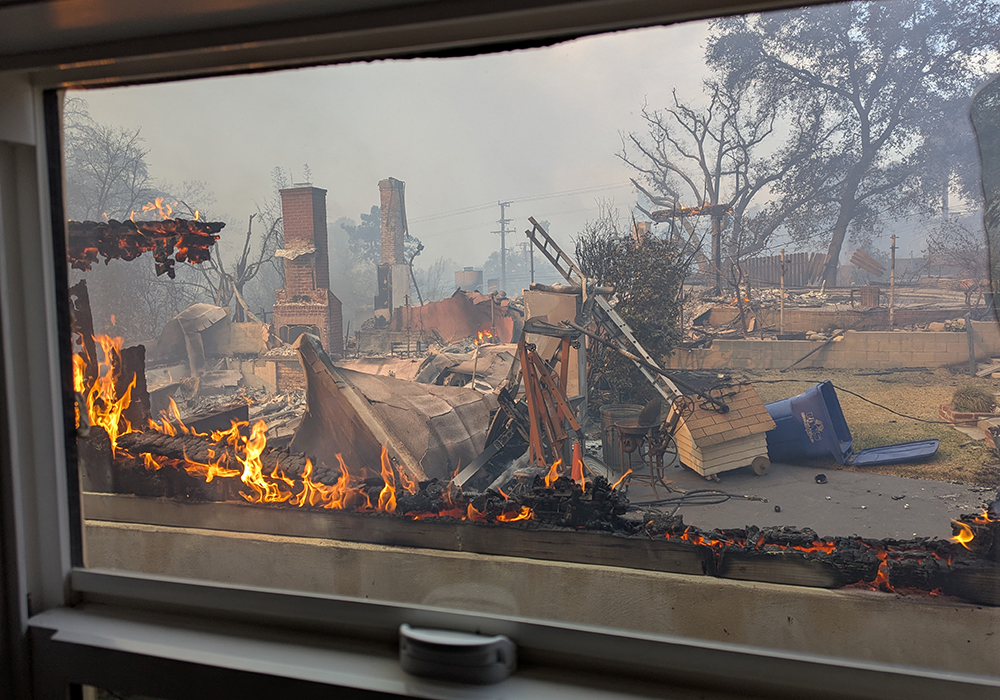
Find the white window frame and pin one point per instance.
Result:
(41, 521)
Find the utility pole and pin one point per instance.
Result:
(503, 243)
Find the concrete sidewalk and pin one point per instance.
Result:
(850, 503)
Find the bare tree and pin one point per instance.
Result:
(226, 283)
(107, 177)
(721, 159)
(437, 280)
(106, 172)
(953, 242)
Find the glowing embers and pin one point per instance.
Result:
(170, 240)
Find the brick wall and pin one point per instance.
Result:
(393, 215)
(855, 350)
(298, 278)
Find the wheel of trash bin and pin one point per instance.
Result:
(760, 465)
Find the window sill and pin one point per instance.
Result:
(318, 660)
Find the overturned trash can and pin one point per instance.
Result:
(812, 424)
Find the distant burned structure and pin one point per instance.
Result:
(306, 304)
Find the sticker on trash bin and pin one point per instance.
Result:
(814, 427)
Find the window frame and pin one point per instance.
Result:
(42, 526)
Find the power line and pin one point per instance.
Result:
(529, 198)
(478, 226)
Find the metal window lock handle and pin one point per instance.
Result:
(456, 656)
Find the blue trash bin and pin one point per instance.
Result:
(812, 424)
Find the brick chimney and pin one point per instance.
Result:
(393, 273)
(393, 220)
(306, 304)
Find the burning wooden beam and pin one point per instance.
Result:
(171, 241)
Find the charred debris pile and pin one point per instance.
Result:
(176, 462)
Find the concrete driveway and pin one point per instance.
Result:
(849, 503)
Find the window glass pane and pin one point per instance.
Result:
(330, 335)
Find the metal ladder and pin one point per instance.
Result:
(618, 330)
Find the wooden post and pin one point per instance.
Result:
(892, 279)
(781, 321)
(406, 297)
(475, 363)
(972, 344)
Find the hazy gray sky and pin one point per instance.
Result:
(460, 132)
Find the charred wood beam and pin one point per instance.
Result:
(528, 538)
(171, 241)
(133, 365)
(83, 325)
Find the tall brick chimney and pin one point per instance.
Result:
(393, 220)
(393, 273)
(306, 304)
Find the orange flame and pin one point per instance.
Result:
(104, 406)
(524, 514)
(387, 497)
(407, 483)
(576, 473)
(483, 336)
(163, 209)
(620, 480)
(553, 474)
(208, 470)
(79, 367)
(964, 534)
(264, 490)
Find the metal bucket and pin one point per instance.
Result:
(611, 414)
